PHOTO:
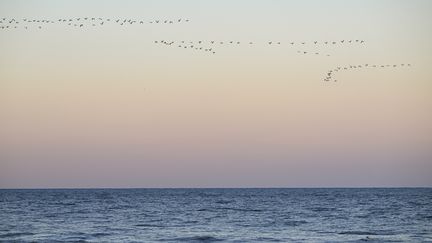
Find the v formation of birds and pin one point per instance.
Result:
(206, 46)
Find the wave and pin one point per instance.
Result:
(17, 234)
(240, 209)
(295, 222)
(99, 234)
(383, 232)
(151, 225)
(200, 238)
(267, 239)
(357, 233)
(228, 208)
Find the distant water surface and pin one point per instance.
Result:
(232, 215)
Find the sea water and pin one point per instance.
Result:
(231, 215)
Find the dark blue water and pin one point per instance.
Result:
(233, 215)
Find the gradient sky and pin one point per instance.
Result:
(106, 107)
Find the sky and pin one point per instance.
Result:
(106, 106)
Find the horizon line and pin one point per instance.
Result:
(186, 188)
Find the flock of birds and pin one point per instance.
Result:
(81, 22)
(208, 46)
(332, 72)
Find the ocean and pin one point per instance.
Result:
(205, 215)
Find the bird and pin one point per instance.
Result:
(315, 42)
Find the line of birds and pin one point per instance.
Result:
(330, 73)
(13, 23)
(215, 42)
(189, 46)
(202, 44)
(312, 53)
